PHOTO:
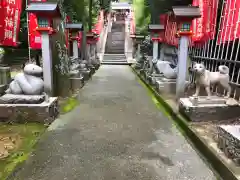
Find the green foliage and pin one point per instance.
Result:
(142, 15)
(78, 10)
(29, 134)
(148, 11)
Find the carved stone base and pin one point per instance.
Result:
(141, 71)
(152, 79)
(97, 66)
(138, 66)
(92, 70)
(74, 74)
(229, 141)
(76, 83)
(86, 74)
(165, 86)
(203, 109)
(45, 112)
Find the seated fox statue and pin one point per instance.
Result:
(29, 82)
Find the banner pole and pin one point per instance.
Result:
(29, 49)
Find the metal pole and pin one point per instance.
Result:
(29, 49)
(90, 16)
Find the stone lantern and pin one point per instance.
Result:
(183, 16)
(45, 13)
(74, 30)
(137, 39)
(92, 39)
(157, 35)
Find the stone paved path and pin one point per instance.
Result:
(116, 133)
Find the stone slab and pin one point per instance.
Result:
(208, 111)
(229, 141)
(76, 83)
(168, 80)
(21, 99)
(45, 112)
(204, 100)
(169, 87)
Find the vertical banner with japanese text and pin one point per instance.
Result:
(34, 36)
(132, 23)
(204, 27)
(170, 31)
(236, 33)
(230, 18)
(10, 23)
(99, 25)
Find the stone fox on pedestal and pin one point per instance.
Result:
(207, 78)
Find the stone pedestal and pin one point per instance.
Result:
(5, 75)
(2, 89)
(75, 48)
(182, 65)
(45, 112)
(76, 83)
(229, 141)
(153, 78)
(203, 109)
(166, 85)
(86, 74)
(5, 79)
(47, 63)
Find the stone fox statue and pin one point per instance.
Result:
(206, 78)
(29, 82)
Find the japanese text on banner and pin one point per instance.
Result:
(11, 24)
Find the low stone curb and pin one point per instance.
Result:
(208, 155)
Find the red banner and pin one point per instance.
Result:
(229, 28)
(80, 39)
(10, 22)
(67, 20)
(34, 36)
(170, 31)
(236, 21)
(132, 23)
(212, 14)
(204, 27)
(198, 24)
(99, 25)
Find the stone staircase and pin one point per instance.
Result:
(116, 38)
(114, 49)
(115, 59)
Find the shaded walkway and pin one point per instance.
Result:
(116, 133)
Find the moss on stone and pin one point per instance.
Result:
(28, 135)
(69, 105)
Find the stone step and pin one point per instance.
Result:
(115, 60)
(116, 63)
(111, 57)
